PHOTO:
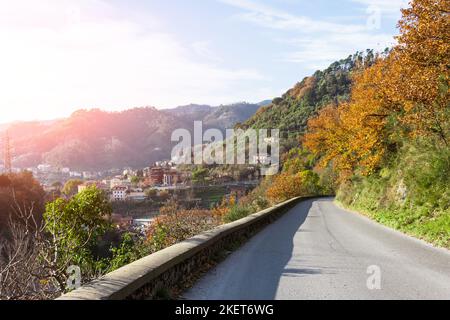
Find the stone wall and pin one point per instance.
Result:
(166, 269)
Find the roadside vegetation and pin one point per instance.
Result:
(389, 144)
(411, 193)
(373, 129)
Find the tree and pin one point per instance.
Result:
(22, 189)
(35, 256)
(71, 187)
(354, 135)
(135, 180)
(287, 186)
(21, 269)
(199, 175)
(403, 94)
(151, 193)
(421, 64)
(74, 227)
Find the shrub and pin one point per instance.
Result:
(175, 225)
(286, 186)
(236, 213)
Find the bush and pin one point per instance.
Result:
(287, 186)
(236, 213)
(175, 225)
(131, 248)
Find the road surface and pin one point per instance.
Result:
(320, 251)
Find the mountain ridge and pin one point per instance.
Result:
(101, 140)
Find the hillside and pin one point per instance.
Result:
(221, 117)
(95, 139)
(290, 113)
(99, 140)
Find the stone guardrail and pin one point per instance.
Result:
(163, 270)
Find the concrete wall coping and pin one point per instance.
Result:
(123, 282)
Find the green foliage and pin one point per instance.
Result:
(131, 248)
(237, 212)
(151, 193)
(297, 160)
(199, 175)
(71, 187)
(135, 180)
(76, 225)
(257, 200)
(412, 192)
(291, 112)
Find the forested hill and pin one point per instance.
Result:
(221, 117)
(100, 140)
(291, 112)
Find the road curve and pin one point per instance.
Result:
(320, 251)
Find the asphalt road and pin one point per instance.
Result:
(319, 251)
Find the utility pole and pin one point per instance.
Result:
(7, 154)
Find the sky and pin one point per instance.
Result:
(57, 56)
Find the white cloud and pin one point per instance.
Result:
(57, 55)
(318, 53)
(316, 43)
(270, 17)
(387, 7)
(204, 51)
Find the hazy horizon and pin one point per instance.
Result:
(125, 109)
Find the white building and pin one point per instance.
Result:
(119, 193)
(65, 170)
(75, 174)
(44, 168)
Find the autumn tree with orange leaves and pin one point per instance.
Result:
(403, 94)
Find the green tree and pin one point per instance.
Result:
(130, 249)
(71, 187)
(75, 227)
(151, 193)
(199, 175)
(135, 180)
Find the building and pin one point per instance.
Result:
(171, 178)
(89, 175)
(115, 182)
(119, 193)
(142, 222)
(98, 184)
(157, 176)
(65, 170)
(136, 196)
(44, 168)
(75, 174)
